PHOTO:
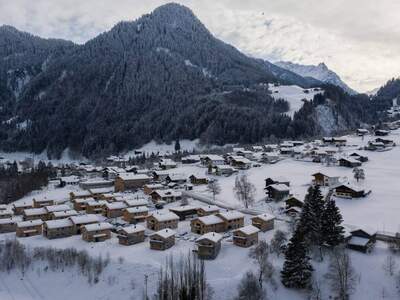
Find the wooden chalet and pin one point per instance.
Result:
(35, 213)
(63, 214)
(29, 228)
(114, 209)
(264, 222)
(359, 157)
(293, 202)
(224, 170)
(349, 163)
(95, 206)
(79, 195)
(58, 228)
(38, 203)
(8, 225)
(240, 162)
(381, 132)
(131, 235)
(279, 180)
(198, 180)
(162, 219)
(81, 203)
(151, 187)
(233, 219)
(321, 179)
(246, 236)
(207, 210)
(6, 214)
(163, 239)
(19, 208)
(97, 232)
(166, 195)
(135, 214)
(348, 191)
(361, 240)
(206, 224)
(185, 211)
(176, 178)
(209, 245)
(81, 220)
(130, 181)
(277, 192)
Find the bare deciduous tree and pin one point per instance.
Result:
(278, 242)
(214, 188)
(341, 273)
(244, 190)
(249, 288)
(265, 269)
(390, 265)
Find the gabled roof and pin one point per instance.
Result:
(248, 230)
(211, 236)
(279, 187)
(98, 226)
(265, 217)
(231, 215)
(210, 220)
(133, 229)
(37, 222)
(165, 233)
(162, 216)
(53, 224)
(132, 176)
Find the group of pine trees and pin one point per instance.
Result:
(15, 184)
(319, 226)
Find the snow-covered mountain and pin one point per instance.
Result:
(320, 72)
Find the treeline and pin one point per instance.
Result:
(15, 185)
(15, 256)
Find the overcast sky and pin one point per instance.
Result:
(358, 39)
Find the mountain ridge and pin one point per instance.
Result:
(320, 72)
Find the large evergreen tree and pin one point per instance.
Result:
(312, 215)
(331, 225)
(297, 270)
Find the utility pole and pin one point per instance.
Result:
(145, 286)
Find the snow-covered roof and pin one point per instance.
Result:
(96, 202)
(279, 187)
(83, 219)
(211, 236)
(165, 233)
(115, 205)
(212, 157)
(98, 226)
(168, 193)
(8, 221)
(132, 176)
(60, 207)
(22, 224)
(103, 190)
(35, 211)
(248, 230)
(137, 209)
(225, 167)
(162, 216)
(133, 229)
(41, 200)
(231, 215)
(136, 202)
(358, 241)
(210, 220)
(209, 208)
(66, 213)
(265, 217)
(183, 208)
(58, 223)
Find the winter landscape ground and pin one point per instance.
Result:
(124, 277)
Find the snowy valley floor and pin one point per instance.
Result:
(380, 211)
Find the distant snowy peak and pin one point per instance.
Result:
(320, 72)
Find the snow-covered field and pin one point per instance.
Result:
(379, 210)
(292, 94)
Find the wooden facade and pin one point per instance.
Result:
(162, 240)
(8, 225)
(206, 224)
(161, 220)
(131, 235)
(246, 236)
(58, 228)
(98, 232)
(263, 222)
(209, 245)
(130, 181)
(232, 219)
(207, 210)
(135, 214)
(29, 228)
